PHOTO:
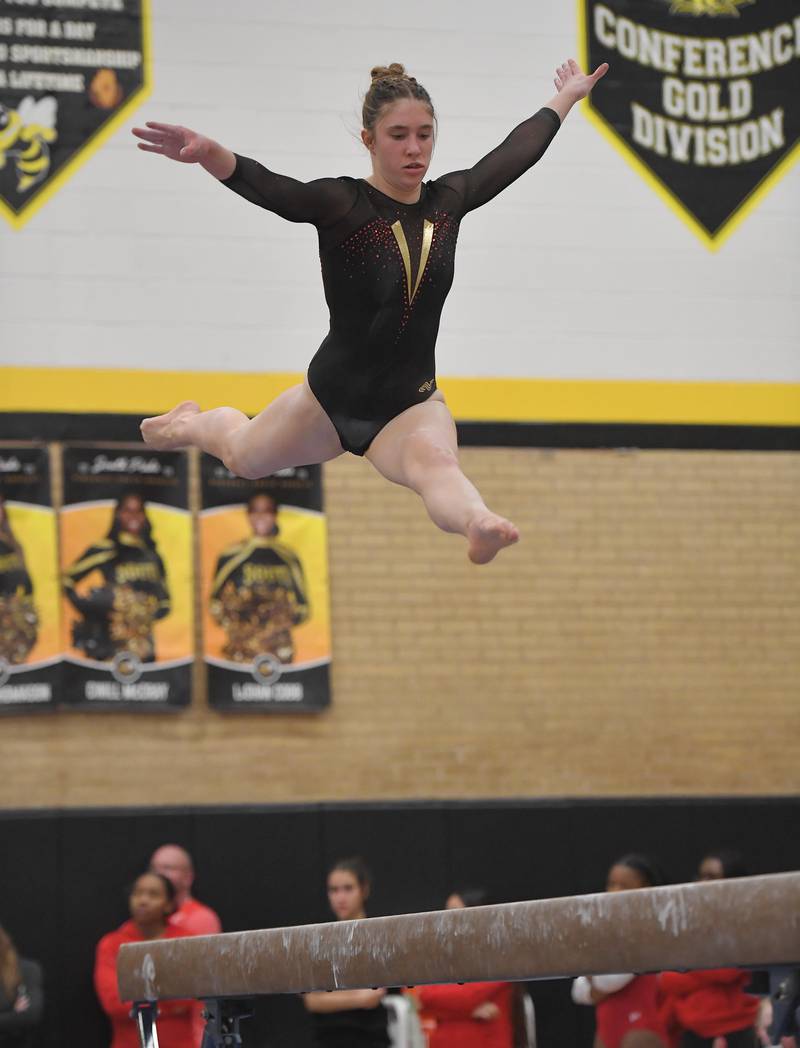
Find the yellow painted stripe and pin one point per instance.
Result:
(79, 390)
(683, 403)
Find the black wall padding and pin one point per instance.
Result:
(63, 876)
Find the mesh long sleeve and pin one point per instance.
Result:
(493, 173)
(322, 202)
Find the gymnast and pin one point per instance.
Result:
(387, 246)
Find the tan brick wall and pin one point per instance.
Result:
(643, 639)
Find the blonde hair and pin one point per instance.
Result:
(390, 83)
(10, 976)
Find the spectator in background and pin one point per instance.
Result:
(703, 1006)
(349, 1018)
(471, 1015)
(626, 1006)
(151, 903)
(191, 916)
(719, 865)
(21, 997)
(784, 987)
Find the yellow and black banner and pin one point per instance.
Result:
(703, 97)
(70, 72)
(30, 648)
(265, 598)
(126, 557)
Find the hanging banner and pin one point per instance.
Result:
(703, 97)
(265, 599)
(71, 71)
(30, 634)
(126, 557)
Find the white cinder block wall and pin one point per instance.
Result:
(577, 271)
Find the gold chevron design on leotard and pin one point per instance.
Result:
(402, 243)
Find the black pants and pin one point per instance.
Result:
(745, 1038)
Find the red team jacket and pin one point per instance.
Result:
(195, 918)
(447, 1015)
(634, 1007)
(709, 1003)
(174, 1017)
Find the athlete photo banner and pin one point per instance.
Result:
(127, 579)
(30, 634)
(265, 599)
(70, 74)
(702, 97)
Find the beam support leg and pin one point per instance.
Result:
(222, 1016)
(144, 1015)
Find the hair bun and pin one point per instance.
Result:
(391, 72)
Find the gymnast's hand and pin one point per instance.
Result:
(178, 143)
(573, 82)
(186, 146)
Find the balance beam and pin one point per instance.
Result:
(751, 922)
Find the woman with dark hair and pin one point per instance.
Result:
(118, 615)
(259, 590)
(719, 865)
(18, 618)
(470, 1015)
(349, 1018)
(151, 901)
(703, 1006)
(21, 997)
(626, 1005)
(387, 246)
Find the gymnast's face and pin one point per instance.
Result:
(346, 896)
(624, 878)
(401, 143)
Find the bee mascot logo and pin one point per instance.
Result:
(71, 72)
(729, 8)
(702, 98)
(25, 136)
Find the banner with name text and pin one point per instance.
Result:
(265, 597)
(703, 97)
(126, 557)
(30, 630)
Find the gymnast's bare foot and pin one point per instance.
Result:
(487, 535)
(167, 432)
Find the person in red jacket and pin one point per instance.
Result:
(711, 1006)
(152, 900)
(472, 1015)
(626, 1005)
(192, 916)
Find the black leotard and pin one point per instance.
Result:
(387, 268)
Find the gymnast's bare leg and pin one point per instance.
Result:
(291, 431)
(419, 450)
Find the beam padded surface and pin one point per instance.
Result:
(747, 922)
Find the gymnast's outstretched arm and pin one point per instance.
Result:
(322, 201)
(526, 144)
